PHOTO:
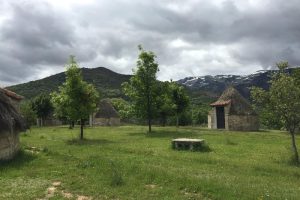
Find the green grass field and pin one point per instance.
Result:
(125, 163)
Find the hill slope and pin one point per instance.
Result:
(202, 89)
(107, 82)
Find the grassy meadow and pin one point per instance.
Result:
(126, 163)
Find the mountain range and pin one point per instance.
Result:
(200, 88)
(214, 85)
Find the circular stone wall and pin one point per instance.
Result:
(9, 145)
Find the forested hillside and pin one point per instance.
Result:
(107, 82)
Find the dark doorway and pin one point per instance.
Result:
(220, 117)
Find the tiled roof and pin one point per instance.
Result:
(221, 103)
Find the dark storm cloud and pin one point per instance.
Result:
(35, 38)
(190, 38)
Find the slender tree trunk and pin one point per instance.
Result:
(164, 122)
(149, 124)
(294, 147)
(177, 120)
(81, 129)
(149, 112)
(70, 125)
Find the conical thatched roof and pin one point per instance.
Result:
(10, 119)
(11, 94)
(238, 104)
(106, 110)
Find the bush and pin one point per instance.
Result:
(28, 113)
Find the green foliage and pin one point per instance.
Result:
(193, 115)
(60, 106)
(199, 106)
(116, 175)
(282, 101)
(180, 100)
(143, 85)
(42, 106)
(172, 101)
(76, 99)
(179, 97)
(28, 113)
(123, 107)
(199, 114)
(148, 168)
(268, 119)
(165, 104)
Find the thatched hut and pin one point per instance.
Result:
(11, 123)
(232, 112)
(14, 98)
(106, 115)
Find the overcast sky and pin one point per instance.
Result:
(190, 37)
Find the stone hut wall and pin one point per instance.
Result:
(243, 123)
(101, 121)
(226, 113)
(114, 121)
(234, 122)
(9, 145)
(15, 103)
(106, 121)
(211, 120)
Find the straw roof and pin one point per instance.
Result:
(10, 119)
(106, 110)
(239, 105)
(11, 94)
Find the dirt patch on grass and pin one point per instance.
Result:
(151, 186)
(55, 189)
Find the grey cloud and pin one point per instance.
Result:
(37, 37)
(227, 37)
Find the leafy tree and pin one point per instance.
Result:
(283, 100)
(28, 113)
(60, 103)
(199, 113)
(123, 107)
(42, 106)
(142, 86)
(76, 99)
(180, 100)
(268, 119)
(165, 104)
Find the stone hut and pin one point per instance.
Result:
(106, 115)
(232, 112)
(11, 124)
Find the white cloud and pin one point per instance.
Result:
(179, 43)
